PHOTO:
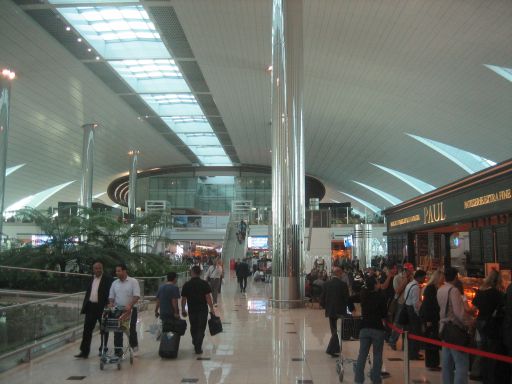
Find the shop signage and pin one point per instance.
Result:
(485, 199)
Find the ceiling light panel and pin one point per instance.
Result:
(173, 104)
(118, 32)
(215, 160)
(127, 39)
(414, 182)
(207, 151)
(368, 205)
(468, 161)
(199, 139)
(151, 76)
(386, 196)
(188, 124)
(502, 71)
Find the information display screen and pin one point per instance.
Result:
(258, 242)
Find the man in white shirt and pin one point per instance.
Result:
(125, 292)
(412, 303)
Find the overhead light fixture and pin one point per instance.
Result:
(8, 74)
(89, 49)
(68, 28)
(97, 57)
(79, 39)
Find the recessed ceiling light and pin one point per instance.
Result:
(97, 57)
(89, 49)
(79, 39)
(68, 28)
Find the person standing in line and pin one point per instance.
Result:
(95, 300)
(374, 312)
(413, 304)
(214, 275)
(429, 314)
(335, 299)
(125, 293)
(197, 294)
(167, 298)
(400, 282)
(490, 300)
(454, 364)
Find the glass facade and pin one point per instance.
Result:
(210, 193)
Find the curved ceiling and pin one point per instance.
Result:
(377, 75)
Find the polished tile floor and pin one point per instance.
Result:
(259, 345)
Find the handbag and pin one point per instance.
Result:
(403, 316)
(452, 333)
(214, 324)
(177, 326)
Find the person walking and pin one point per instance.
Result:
(125, 293)
(242, 273)
(167, 298)
(197, 294)
(95, 300)
(429, 314)
(334, 299)
(372, 334)
(214, 276)
(454, 364)
(412, 304)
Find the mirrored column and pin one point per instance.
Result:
(288, 177)
(87, 165)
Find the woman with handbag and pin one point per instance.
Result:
(489, 300)
(429, 314)
(215, 274)
(454, 324)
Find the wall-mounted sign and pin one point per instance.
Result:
(487, 198)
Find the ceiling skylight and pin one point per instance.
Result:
(368, 205)
(386, 196)
(33, 201)
(151, 76)
(468, 161)
(415, 183)
(502, 71)
(125, 36)
(118, 32)
(10, 170)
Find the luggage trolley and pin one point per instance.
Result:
(111, 322)
(349, 330)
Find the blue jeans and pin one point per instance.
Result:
(454, 360)
(367, 338)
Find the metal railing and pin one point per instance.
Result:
(30, 329)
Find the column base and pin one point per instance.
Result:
(288, 292)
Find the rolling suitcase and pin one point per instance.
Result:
(169, 345)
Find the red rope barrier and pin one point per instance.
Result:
(472, 351)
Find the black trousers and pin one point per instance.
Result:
(414, 327)
(243, 283)
(93, 314)
(432, 358)
(132, 338)
(334, 345)
(198, 321)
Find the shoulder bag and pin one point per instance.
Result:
(403, 316)
(451, 332)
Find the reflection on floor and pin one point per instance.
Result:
(259, 345)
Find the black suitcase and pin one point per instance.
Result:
(169, 345)
(350, 327)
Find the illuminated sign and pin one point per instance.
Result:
(405, 220)
(434, 213)
(491, 198)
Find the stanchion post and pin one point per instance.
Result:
(406, 357)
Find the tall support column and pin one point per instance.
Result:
(132, 183)
(288, 176)
(87, 165)
(5, 97)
